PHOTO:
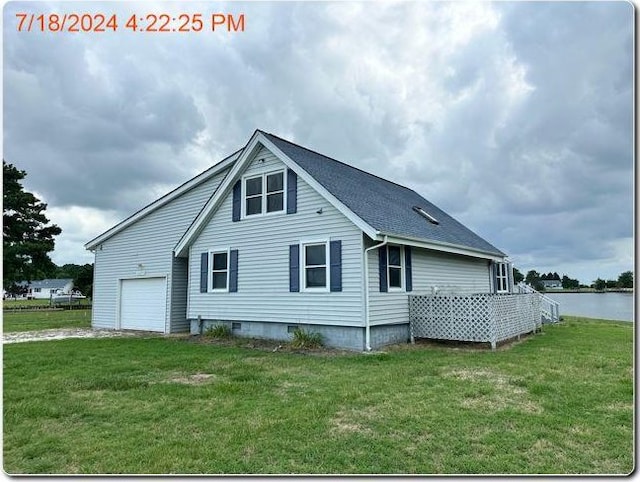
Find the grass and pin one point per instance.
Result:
(37, 303)
(218, 331)
(559, 402)
(306, 339)
(43, 320)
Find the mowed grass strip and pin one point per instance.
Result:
(45, 320)
(559, 402)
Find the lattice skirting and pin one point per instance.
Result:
(482, 317)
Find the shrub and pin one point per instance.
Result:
(306, 339)
(218, 331)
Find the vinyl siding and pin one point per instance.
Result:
(448, 272)
(263, 261)
(390, 307)
(150, 242)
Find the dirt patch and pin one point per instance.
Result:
(195, 379)
(496, 391)
(63, 333)
(344, 422)
(275, 346)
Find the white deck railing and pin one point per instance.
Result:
(550, 309)
(484, 317)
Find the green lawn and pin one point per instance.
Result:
(25, 304)
(43, 320)
(558, 402)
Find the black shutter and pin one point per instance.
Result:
(294, 268)
(292, 192)
(233, 271)
(335, 262)
(237, 201)
(382, 262)
(493, 272)
(407, 265)
(204, 271)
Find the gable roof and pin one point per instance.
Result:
(377, 206)
(158, 203)
(384, 205)
(50, 283)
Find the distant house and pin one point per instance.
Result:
(277, 237)
(551, 283)
(43, 289)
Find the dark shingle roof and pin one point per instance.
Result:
(50, 283)
(384, 205)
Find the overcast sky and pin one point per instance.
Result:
(516, 118)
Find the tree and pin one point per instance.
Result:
(569, 283)
(599, 284)
(611, 283)
(625, 280)
(84, 280)
(27, 236)
(532, 277)
(82, 276)
(517, 276)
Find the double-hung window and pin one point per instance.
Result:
(314, 260)
(264, 193)
(394, 267)
(219, 262)
(502, 278)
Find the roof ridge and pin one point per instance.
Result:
(340, 162)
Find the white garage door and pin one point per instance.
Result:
(143, 304)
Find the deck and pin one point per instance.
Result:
(481, 317)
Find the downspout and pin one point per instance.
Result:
(367, 326)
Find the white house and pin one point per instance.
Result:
(551, 283)
(43, 289)
(276, 237)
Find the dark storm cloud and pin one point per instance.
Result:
(87, 120)
(514, 117)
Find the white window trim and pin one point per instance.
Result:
(263, 196)
(402, 268)
(210, 288)
(303, 266)
(499, 276)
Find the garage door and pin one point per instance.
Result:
(143, 304)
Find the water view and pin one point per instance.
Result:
(608, 306)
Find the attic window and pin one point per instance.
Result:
(425, 215)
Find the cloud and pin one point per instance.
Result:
(515, 117)
(80, 224)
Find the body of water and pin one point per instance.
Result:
(608, 306)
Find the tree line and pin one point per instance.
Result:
(534, 279)
(28, 238)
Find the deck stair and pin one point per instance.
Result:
(550, 309)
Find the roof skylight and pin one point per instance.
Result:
(425, 215)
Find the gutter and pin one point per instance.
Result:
(367, 326)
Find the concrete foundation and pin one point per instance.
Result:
(344, 337)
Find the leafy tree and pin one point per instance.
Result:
(599, 284)
(532, 277)
(569, 283)
(611, 283)
(27, 236)
(82, 276)
(517, 276)
(83, 280)
(625, 280)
